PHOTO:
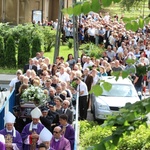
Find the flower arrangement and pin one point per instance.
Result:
(33, 94)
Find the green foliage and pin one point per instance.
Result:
(7, 70)
(70, 43)
(94, 134)
(85, 7)
(23, 52)
(92, 50)
(137, 140)
(10, 52)
(36, 46)
(5, 31)
(74, 84)
(46, 38)
(132, 3)
(2, 56)
(106, 3)
(91, 133)
(98, 88)
(128, 120)
(27, 30)
(49, 37)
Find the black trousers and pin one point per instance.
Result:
(92, 39)
(83, 107)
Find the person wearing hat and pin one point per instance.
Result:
(45, 137)
(53, 114)
(19, 122)
(2, 142)
(58, 141)
(31, 131)
(45, 119)
(12, 137)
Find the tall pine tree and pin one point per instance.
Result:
(10, 53)
(36, 46)
(2, 56)
(23, 52)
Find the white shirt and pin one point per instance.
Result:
(95, 79)
(13, 82)
(86, 65)
(63, 77)
(82, 87)
(147, 53)
(120, 50)
(91, 31)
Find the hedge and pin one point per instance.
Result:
(91, 133)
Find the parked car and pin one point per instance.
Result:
(110, 102)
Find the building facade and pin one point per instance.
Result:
(23, 11)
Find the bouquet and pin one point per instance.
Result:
(34, 94)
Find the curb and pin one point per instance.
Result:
(6, 78)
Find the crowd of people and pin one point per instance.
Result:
(57, 81)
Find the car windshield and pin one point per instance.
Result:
(120, 90)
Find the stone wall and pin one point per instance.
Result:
(20, 11)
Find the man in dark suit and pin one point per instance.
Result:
(45, 119)
(30, 66)
(106, 36)
(18, 84)
(88, 79)
(66, 110)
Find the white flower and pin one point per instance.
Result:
(33, 93)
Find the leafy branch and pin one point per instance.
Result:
(129, 119)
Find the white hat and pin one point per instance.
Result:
(9, 118)
(45, 135)
(36, 113)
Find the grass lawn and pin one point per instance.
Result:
(63, 51)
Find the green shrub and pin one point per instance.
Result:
(23, 52)
(92, 50)
(2, 56)
(10, 53)
(70, 43)
(91, 133)
(138, 140)
(36, 46)
(96, 52)
(5, 31)
(49, 37)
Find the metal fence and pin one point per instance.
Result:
(7, 106)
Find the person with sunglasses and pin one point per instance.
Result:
(58, 141)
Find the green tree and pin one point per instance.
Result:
(2, 56)
(36, 46)
(49, 38)
(131, 3)
(23, 52)
(10, 53)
